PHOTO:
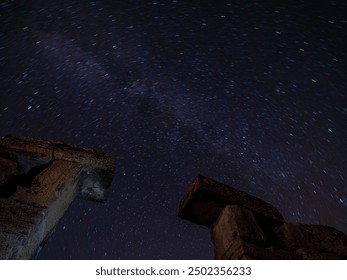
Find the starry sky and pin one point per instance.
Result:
(249, 93)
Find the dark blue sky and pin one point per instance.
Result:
(250, 94)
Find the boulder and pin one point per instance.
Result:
(311, 254)
(235, 222)
(30, 151)
(41, 178)
(206, 198)
(242, 250)
(246, 227)
(311, 239)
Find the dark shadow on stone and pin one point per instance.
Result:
(24, 180)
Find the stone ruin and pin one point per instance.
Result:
(245, 227)
(38, 181)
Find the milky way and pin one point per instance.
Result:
(250, 94)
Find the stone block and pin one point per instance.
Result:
(41, 179)
(32, 152)
(206, 198)
(235, 222)
(322, 239)
(242, 250)
(311, 254)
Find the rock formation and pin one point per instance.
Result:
(38, 181)
(246, 227)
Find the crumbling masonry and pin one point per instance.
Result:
(246, 227)
(38, 181)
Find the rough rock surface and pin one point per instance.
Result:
(310, 239)
(235, 222)
(242, 250)
(38, 181)
(206, 198)
(245, 227)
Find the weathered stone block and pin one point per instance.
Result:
(235, 222)
(206, 198)
(323, 239)
(246, 227)
(41, 179)
(28, 150)
(242, 250)
(21, 230)
(48, 185)
(33, 155)
(311, 254)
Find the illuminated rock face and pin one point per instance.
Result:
(38, 181)
(246, 227)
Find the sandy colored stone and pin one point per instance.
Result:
(311, 254)
(235, 222)
(50, 183)
(42, 178)
(206, 198)
(242, 250)
(323, 239)
(246, 227)
(46, 150)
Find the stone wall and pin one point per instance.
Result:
(38, 181)
(245, 227)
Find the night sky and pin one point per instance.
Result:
(249, 93)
